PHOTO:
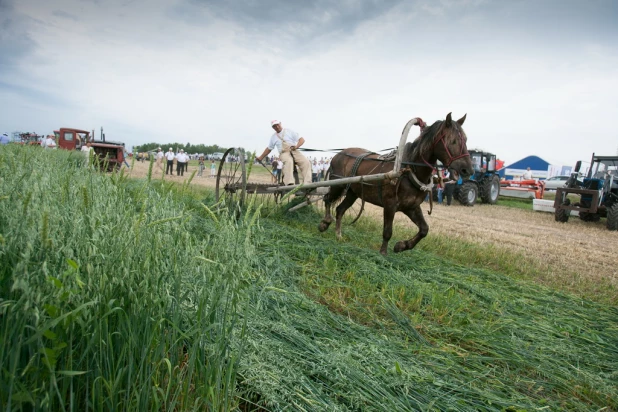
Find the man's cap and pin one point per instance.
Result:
(274, 122)
(159, 148)
(5, 134)
(181, 150)
(170, 149)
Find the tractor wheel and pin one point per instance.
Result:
(562, 215)
(491, 190)
(612, 217)
(468, 194)
(589, 217)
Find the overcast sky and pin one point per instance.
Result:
(536, 77)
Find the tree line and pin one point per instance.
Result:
(187, 147)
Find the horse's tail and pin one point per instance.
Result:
(333, 195)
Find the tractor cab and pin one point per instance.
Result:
(71, 139)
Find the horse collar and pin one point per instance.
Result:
(425, 187)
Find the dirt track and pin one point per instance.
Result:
(587, 248)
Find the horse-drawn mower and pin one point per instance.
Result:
(398, 184)
(598, 193)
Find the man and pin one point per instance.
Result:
(4, 139)
(527, 174)
(50, 142)
(170, 162)
(181, 162)
(159, 158)
(315, 171)
(287, 141)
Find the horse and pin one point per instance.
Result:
(445, 140)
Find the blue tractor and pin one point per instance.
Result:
(484, 183)
(598, 193)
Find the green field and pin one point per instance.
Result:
(124, 294)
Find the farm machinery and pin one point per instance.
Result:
(598, 193)
(485, 181)
(107, 153)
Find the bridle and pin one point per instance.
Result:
(463, 152)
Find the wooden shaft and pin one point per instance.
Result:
(338, 182)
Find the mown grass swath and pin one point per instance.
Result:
(125, 294)
(110, 298)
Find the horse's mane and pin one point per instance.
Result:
(422, 144)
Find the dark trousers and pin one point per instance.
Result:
(170, 167)
(314, 177)
(449, 189)
(180, 169)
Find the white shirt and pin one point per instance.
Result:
(170, 155)
(85, 148)
(315, 168)
(289, 136)
(182, 158)
(159, 155)
(50, 143)
(527, 175)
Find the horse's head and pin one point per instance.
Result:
(449, 146)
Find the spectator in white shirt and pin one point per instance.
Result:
(170, 156)
(527, 174)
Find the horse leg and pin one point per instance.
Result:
(387, 231)
(348, 201)
(416, 216)
(332, 195)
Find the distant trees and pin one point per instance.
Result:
(187, 147)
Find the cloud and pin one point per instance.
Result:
(15, 40)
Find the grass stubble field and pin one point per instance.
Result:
(135, 293)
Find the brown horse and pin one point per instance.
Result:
(443, 140)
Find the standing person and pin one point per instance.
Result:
(315, 171)
(181, 161)
(527, 174)
(4, 139)
(287, 141)
(440, 188)
(279, 169)
(170, 162)
(159, 157)
(50, 142)
(200, 165)
(449, 187)
(274, 165)
(213, 168)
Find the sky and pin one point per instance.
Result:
(535, 77)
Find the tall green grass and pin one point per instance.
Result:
(114, 294)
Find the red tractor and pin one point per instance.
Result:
(110, 153)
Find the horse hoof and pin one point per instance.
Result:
(323, 226)
(400, 246)
(383, 252)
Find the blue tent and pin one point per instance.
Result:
(537, 165)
